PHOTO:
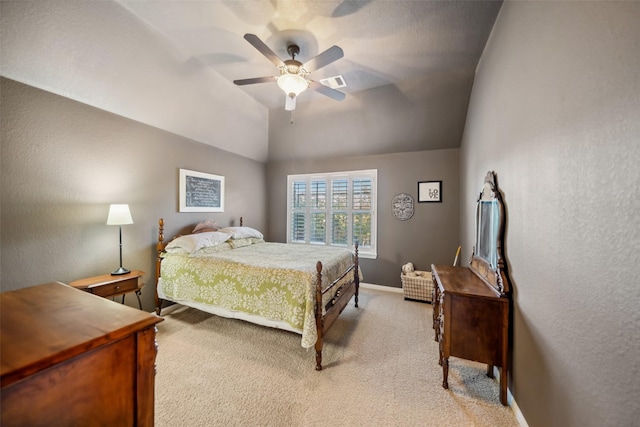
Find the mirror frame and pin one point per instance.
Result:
(490, 267)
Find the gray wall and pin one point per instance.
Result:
(64, 162)
(555, 111)
(421, 114)
(430, 236)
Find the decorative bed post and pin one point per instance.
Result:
(319, 320)
(159, 248)
(337, 304)
(356, 275)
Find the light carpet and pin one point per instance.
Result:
(380, 369)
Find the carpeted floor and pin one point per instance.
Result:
(380, 369)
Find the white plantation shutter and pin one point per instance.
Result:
(318, 194)
(297, 208)
(339, 228)
(340, 212)
(318, 227)
(339, 194)
(362, 214)
(335, 209)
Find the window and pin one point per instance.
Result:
(334, 209)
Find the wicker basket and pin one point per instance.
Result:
(417, 288)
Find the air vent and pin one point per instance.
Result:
(334, 82)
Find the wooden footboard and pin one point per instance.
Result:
(338, 303)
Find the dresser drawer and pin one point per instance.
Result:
(110, 289)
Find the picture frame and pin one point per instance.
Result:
(430, 192)
(201, 192)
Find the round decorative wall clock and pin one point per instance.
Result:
(402, 206)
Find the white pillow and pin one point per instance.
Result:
(242, 232)
(192, 242)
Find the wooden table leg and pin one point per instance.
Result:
(445, 373)
(138, 293)
(503, 386)
(490, 371)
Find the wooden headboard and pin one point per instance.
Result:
(161, 244)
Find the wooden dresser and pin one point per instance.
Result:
(472, 305)
(470, 322)
(72, 358)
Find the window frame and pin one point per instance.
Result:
(308, 210)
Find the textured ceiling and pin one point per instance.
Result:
(409, 68)
(384, 42)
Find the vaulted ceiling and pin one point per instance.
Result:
(408, 66)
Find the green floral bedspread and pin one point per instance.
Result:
(273, 280)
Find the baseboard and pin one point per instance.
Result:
(516, 410)
(511, 401)
(381, 288)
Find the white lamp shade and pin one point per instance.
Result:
(292, 84)
(119, 215)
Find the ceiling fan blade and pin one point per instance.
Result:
(255, 80)
(326, 90)
(325, 58)
(264, 49)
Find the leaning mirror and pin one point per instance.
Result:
(488, 260)
(487, 228)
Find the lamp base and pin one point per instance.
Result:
(120, 271)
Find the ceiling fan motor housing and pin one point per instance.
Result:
(292, 66)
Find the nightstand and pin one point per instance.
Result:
(109, 286)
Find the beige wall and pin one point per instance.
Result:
(555, 112)
(430, 236)
(64, 162)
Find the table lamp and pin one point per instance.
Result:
(119, 215)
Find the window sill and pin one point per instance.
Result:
(366, 255)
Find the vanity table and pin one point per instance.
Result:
(472, 305)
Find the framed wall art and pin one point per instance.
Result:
(429, 191)
(402, 206)
(201, 192)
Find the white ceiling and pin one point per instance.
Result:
(408, 65)
(384, 42)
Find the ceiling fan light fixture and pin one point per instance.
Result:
(292, 79)
(292, 84)
(290, 103)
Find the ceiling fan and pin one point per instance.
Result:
(292, 79)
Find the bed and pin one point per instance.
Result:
(232, 272)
